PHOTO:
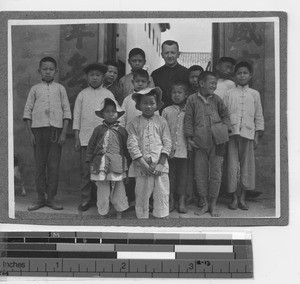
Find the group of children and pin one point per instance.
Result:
(132, 153)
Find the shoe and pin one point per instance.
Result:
(37, 205)
(233, 206)
(54, 205)
(84, 206)
(243, 206)
(182, 210)
(252, 194)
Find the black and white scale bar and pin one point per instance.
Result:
(23, 265)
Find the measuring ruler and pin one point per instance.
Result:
(128, 255)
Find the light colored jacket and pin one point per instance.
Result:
(85, 120)
(148, 138)
(245, 111)
(47, 105)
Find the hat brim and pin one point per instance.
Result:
(146, 92)
(119, 110)
(100, 113)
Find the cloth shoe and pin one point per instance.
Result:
(54, 205)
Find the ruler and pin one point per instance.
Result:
(127, 255)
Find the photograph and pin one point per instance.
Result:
(177, 118)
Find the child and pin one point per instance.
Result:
(106, 155)
(47, 114)
(178, 163)
(206, 131)
(110, 80)
(149, 144)
(85, 121)
(247, 122)
(224, 70)
(140, 82)
(136, 60)
(193, 75)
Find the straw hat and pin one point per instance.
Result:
(106, 102)
(146, 92)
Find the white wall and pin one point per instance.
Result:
(138, 37)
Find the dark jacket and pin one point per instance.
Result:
(115, 155)
(206, 122)
(165, 76)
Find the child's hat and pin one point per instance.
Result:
(146, 92)
(106, 102)
(95, 66)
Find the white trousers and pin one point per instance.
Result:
(111, 191)
(160, 187)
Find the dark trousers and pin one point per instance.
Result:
(47, 154)
(129, 188)
(178, 170)
(208, 172)
(87, 187)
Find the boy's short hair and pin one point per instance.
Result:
(136, 51)
(95, 66)
(180, 83)
(112, 63)
(203, 76)
(140, 72)
(243, 64)
(48, 59)
(195, 68)
(227, 59)
(170, 42)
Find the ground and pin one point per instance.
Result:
(263, 206)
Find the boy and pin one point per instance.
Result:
(205, 127)
(224, 70)
(178, 162)
(85, 121)
(247, 122)
(136, 60)
(170, 72)
(106, 154)
(193, 75)
(47, 114)
(110, 80)
(149, 145)
(140, 82)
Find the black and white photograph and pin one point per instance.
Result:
(143, 120)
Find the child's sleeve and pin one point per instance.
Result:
(258, 115)
(151, 83)
(77, 112)
(91, 146)
(133, 141)
(123, 118)
(125, 139)
(166, 137)
(121, 85)
(65, 104)
(188, 119)
(29, 104)
(223, 113)
(164, 114)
